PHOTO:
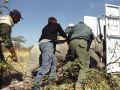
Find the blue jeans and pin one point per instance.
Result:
(49, 62)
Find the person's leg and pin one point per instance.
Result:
(79, 47)
(72, 52)
(84, 68)
(2, 59)
(41, 72)
(53, 67)
(83, 60)
(47, 52)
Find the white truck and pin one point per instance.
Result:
(109, 26)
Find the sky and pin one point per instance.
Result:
(37, 12)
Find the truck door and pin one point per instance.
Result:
(112, 37)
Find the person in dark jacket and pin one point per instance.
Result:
(47, 47)
(6, 24)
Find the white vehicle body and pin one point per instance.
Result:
(111, 33)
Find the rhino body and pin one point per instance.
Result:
(61, 52)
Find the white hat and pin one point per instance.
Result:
(70, 25)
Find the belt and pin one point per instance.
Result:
(79, 38)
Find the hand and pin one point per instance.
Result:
(12, 51)
(60, 41)
(68, 40)
(101, 65)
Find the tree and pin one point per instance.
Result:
(18, 40)
(3, 6)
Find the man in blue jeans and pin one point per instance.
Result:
(47, 47)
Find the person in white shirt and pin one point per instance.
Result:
(6, 24)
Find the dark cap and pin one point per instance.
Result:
(16, 13)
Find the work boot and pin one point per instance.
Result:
(100, 65)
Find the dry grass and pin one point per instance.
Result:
(23, 57)
(97, 80)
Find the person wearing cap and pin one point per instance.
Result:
(80, 36)
(47, 46)
(6, 24)
(69, 27)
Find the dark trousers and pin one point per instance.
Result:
(1, 54)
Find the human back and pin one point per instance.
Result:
(50, 31)
(81, 30)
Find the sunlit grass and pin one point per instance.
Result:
(97, 80)
(23, 57)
